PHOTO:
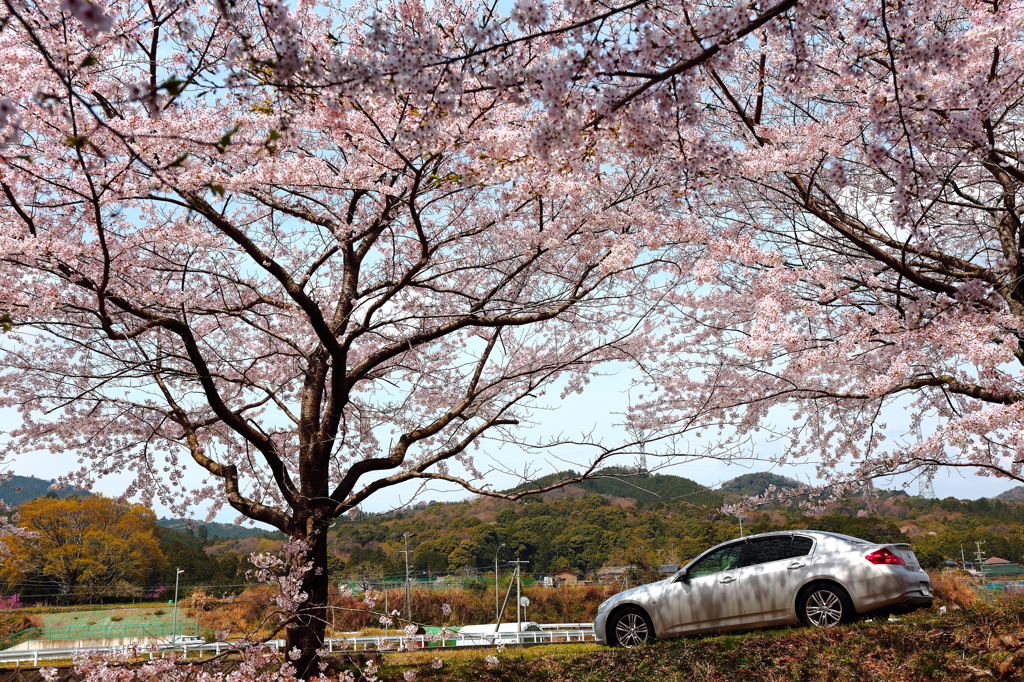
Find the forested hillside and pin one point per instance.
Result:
(18, 490)
(645, 521)
(212, 529)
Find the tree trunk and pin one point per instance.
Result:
(311, 621)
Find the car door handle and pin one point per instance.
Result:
(796, 564)
(726, 579)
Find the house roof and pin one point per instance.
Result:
(565, 571)
(995, 560)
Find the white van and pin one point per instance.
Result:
(183, 641)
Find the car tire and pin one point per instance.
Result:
(824, 605)
(630, 627)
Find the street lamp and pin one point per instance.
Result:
(496, 582)
(174, 627)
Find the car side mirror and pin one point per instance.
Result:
(683, 577)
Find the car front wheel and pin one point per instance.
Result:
(823, 605)
(631, 627)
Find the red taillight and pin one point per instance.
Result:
(884, 556)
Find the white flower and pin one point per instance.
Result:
(93, 18)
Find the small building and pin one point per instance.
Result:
(612, 574)
(565, 577)
(1000, 567)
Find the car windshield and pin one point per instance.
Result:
(722, 559)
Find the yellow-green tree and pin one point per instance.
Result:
(84, 547)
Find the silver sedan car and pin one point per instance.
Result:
(811, 577)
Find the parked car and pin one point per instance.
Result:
(811, 577)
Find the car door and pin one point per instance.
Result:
(773, 570)
(706, 597)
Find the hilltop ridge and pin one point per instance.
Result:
(21, 489)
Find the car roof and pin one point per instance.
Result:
(801, 531)
(840, 536)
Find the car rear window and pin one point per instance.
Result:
(776, 548)
(763, 550)
(801, 546)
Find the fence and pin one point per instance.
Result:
(1002, 569)
(583, 633)
(100, 632)
(440, 583)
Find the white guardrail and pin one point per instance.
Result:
(548, 634)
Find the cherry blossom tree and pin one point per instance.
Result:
(862, 255)
(308, 297)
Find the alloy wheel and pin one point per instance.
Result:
(824, 609)
(631, 630)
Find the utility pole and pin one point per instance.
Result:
(740, 517)
(496, 614)
(980, 557)
(408, 592)
(643, 453)
(174, 627)
(519, 618)
(926, 483)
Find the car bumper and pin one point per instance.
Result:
(600, 626)
(895, 588)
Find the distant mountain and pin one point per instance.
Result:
(756, 483)
(214, 529)
(1012, 495)
(645, 488)
(22, 489)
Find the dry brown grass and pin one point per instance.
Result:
(251, 612)
(954, 590)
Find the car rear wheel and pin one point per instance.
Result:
(630, 627)
(823, 605)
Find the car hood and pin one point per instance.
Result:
(644, 594)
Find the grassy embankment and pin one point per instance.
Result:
(976, 639)
(982, 643)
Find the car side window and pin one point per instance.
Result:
(800, 547)
(763, 550)
(723, 559)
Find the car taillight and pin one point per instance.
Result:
(884, 556)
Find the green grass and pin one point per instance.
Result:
(125, 616)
